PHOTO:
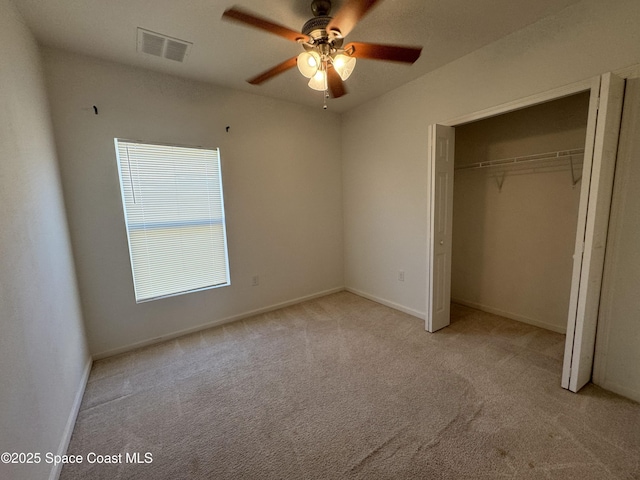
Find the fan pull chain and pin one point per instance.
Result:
(326, 95)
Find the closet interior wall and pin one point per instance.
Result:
(514, 226)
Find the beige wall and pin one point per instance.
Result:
(513, 246)
(618, 341)
(43, 354)
(283, 194)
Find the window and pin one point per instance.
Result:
(174, 214)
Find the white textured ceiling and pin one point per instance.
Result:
(227, 53)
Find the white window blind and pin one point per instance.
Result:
(174, 213)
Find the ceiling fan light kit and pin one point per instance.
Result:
(313, 66)
(308, 63)
(344, 65)
(325, 62)
(319, 81)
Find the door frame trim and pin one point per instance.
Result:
(592, 84)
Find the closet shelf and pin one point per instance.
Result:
(529, 160)
(538, 163)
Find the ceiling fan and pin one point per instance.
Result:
(326, 61)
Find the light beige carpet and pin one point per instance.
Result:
(341, 387)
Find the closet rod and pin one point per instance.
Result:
(559, 155)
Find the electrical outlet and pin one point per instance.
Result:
(255, 281)
(401, 275)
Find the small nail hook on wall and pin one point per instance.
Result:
(95, 109)
(227, 129)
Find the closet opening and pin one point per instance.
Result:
(515, 211)
(522, 167)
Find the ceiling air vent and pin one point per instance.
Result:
(163, 46)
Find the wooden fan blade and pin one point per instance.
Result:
(238, 15)
(277, 70)
(336, 85)
(393, 53)
(349, 15)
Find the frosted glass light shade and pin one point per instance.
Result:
(308, 63)
(319, 81)
(344, 65)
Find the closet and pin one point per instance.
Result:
(515, 211)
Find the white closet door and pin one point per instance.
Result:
(595, 201)
(441, 160)
(617, 352)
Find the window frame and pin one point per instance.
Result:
(223, 220)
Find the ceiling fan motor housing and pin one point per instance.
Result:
(316, 28)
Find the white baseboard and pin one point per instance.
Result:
(214, 323)
(512, 316)
(71, 421)
(388, 303)
(620, 390)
